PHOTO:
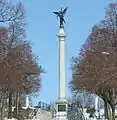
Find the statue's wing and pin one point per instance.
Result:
(64, 11)
(56, 13)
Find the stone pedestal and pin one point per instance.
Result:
(61, 111)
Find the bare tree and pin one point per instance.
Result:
(10, 12)
(19, 69)
(94, 71)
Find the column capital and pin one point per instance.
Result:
(61, 33)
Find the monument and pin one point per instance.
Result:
(61, 105)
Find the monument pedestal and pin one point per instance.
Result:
(61, 113)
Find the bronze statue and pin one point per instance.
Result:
(61, 15)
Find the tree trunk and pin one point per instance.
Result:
(113, 113)
(113, 104)
(3, 110)
(109, 112)
(10, 105)
(105, 110)
(17, 103)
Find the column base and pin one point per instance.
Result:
(61, 110)
(61, 100)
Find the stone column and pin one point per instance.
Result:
(61, 106)
(62, 79)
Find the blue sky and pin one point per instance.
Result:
(42, 27)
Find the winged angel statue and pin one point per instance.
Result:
(61, 15)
